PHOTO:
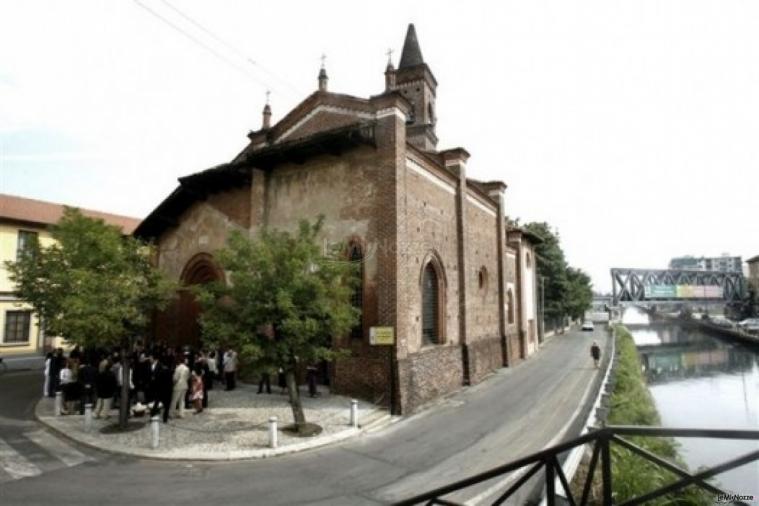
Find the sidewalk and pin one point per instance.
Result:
(234, 426)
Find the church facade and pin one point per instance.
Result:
(440, 266)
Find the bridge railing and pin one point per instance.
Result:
(547, 461)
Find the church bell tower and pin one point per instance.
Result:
(414, 80)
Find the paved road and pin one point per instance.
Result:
(515, 412)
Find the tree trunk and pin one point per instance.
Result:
(294, 393)
(124, 404)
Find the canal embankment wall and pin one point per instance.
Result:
(724, 332)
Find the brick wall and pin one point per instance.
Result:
(428, 374)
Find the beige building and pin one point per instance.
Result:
(23, 221)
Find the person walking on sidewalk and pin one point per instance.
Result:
(181, 379)
(265, 381)
(595, 352)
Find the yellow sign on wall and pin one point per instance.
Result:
(381, 336)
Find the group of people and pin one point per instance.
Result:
(161, 379)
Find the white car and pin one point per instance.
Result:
(588, 325)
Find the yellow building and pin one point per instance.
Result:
(22, 221)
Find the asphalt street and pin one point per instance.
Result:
(515, 412)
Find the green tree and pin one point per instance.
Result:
(284, 301)
(567, 290)
(579, 295)
(553, 267)
(93, 286)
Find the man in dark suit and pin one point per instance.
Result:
(163, 388)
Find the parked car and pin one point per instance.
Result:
(588, 325)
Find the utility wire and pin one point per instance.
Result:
(205, 46)
(232, 48)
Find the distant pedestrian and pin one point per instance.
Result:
(264, 381)
(48, 366)
(595, 352)
(67, 384)
(311, 371)
(230, 368)
(181, 380)
(196, 391)
(164, 388)
(204, 371)
(56, 364)
(105, 386)
(87, 377)
(213, 369)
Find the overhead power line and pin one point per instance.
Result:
(232, 48)
(194, 39)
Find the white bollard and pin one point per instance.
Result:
(155, 429)
(87, 417)
(273, 432)
(354, 413)
(58, 403)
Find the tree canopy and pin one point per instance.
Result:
(92, 286)
(283, 301)
(567, 290)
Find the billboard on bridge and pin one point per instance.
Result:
(684, 292)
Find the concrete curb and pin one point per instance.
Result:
(257, 454)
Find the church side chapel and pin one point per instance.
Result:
(440, 266)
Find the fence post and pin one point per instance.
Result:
(273, 432)
(155, 431)
(354, 413)
(550, 483)
(88, 417)
(58, 403)
(606, 466)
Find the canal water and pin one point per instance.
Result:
(698, 380)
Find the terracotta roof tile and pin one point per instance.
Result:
(47, 213)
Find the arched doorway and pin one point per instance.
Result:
(199, 270)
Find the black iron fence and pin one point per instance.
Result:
(547, 461)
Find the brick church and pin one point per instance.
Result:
(440, 265)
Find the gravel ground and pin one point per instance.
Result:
(234, 426)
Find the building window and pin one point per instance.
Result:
(510, 306)
(17, 327)
(356, 256)
(430, 306)
(528, 260)
(26, 243)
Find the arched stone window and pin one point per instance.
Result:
(356, 256)
(510, 306)
(433, 302)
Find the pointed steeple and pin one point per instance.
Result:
(411, 54)
(415, 82)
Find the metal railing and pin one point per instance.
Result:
(548, 461)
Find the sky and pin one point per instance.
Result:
(629, 126)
